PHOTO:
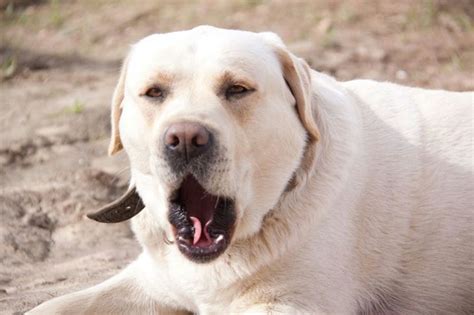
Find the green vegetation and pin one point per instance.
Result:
(76, 108)
(8, 67)
(56, 16)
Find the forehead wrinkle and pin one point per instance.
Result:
(156, 76)
(227, 77)
(161, 77)
(233, 67)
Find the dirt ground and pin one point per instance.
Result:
(59, 61)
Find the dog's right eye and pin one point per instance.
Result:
(154, 92)
(237, 91)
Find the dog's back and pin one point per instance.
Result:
(418, 152)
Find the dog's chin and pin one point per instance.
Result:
(203, 223)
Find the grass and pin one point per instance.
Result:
(76, 108)
(464, 21)
(422, 15)
(346, 13)
(9, 14)
(8, 67)
(455, 63)
(426, 14)
(55, 16)
(329, 40)
(250, 3)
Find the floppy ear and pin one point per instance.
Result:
(117, 98)
(124, 208)
(297, 75)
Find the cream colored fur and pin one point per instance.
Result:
(378, 220)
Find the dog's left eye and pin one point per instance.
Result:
(236, 90)
(154, 92)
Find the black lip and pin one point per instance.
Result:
(222, 225)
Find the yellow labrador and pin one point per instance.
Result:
(268, 187)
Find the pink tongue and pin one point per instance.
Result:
(197, 229)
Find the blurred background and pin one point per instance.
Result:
(59, 61)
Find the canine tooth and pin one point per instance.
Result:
(182, 239)
(166, 239)
(219, 238)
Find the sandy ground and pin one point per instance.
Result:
(58, 66)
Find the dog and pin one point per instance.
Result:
(261, 186)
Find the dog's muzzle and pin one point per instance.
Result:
(202, 222)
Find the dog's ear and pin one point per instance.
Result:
(124, 208)
(296, 73)
(117, 98)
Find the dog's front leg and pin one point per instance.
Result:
(121, 294)
(277, 309)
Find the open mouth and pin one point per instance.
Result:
(202, 223)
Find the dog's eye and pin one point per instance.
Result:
(236, 90)
(154, 92)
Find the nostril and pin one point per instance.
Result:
(173, 141)
(172, 138)
(201, 139)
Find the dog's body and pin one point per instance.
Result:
(368, 209)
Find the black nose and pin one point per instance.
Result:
(187, 139)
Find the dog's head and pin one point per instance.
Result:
(215, 123)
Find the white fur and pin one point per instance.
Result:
(380, 219)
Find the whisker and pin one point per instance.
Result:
(217, 202)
